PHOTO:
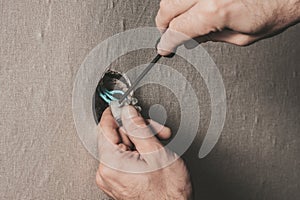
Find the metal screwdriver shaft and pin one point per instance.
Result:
(139, 78)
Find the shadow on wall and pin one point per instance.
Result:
(258, 152)
(257, 156)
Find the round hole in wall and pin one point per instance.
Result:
(111, 85)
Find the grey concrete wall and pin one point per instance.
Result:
(43, 43)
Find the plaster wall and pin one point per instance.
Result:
(43, 43)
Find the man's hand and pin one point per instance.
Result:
(239, 22)
(134, 164)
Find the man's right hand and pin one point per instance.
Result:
(239, 22)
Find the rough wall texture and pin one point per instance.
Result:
(43, 43)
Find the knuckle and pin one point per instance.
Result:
(164, 4)
(100, 171)
(137, 122)
(158, 20)
(174, 25)
(115, 140)
(213, 7)
(102, 123)
(243, 41)
(99, 182)
(104, 171)
(168, 131)
(218, 10)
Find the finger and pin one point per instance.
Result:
(233, 37)
(101, 183)
(228, 36)
(108, 142)
(123, 147)
(116, 155)
(199, 20)
(137, 130)
(125, 138)
(162, 131)
(108, 127)
(170, 9)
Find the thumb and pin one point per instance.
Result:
(227, 36)
(138, 131)
(233, 37)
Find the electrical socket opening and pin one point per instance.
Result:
(110, 81)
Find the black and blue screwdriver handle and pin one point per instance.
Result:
(115, 106)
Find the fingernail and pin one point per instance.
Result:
(129, 112)
(159, 51)
(163, 52)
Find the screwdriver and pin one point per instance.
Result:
(140, 77)
(143, 74)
